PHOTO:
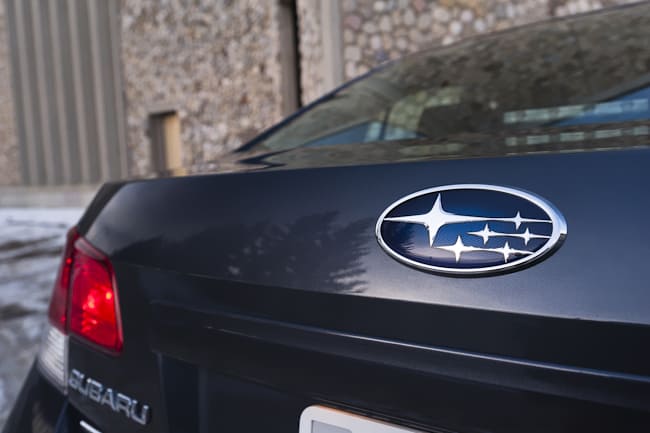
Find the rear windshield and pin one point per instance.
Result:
(561, 85)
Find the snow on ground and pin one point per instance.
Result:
(31, 240)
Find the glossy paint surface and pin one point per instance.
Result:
(222, 275)
(318, 233)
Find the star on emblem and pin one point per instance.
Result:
(486, 234)
(459, 247)
(437, 217)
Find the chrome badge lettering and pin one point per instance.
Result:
(470, 229)
(115, 401)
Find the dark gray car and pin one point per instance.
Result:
(455, 242)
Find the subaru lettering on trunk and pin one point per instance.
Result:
(114, 400)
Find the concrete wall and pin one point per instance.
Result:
(10, 169)
(66, 90)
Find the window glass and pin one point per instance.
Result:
(567, 84)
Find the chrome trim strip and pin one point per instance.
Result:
(87, 427)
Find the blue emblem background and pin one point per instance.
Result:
(411, 240)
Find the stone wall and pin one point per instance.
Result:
(214, 62)
(218, 63)
(10, 170)
(560, 8)
(375, 31)
(311, 50)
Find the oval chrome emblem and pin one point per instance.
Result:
(470, 229)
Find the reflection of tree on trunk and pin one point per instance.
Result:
(313, 250)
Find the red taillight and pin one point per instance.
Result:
(84, 300)
(93, 303)
(58, 311)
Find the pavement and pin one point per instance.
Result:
(31, 241)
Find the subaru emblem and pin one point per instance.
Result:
(470, 229)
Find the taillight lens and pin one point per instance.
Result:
(93, 301)
(58, 312)
(84, 302)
